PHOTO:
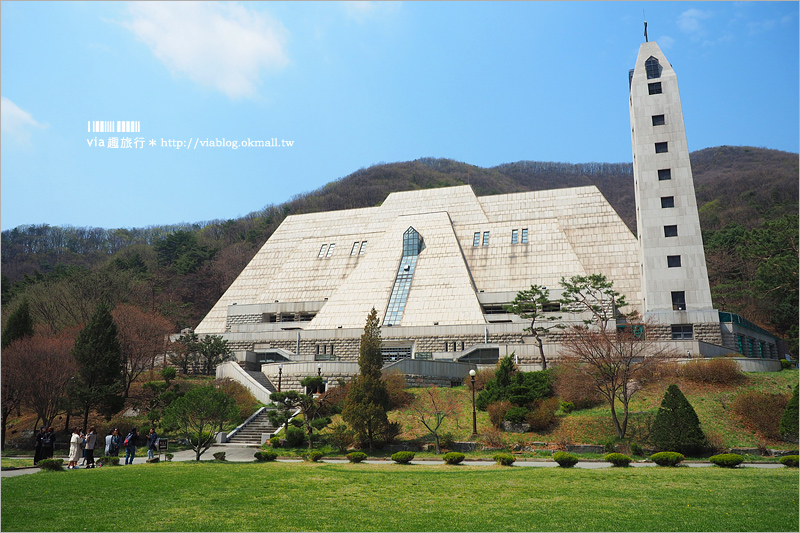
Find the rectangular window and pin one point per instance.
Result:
(476, 239)
(514, 236)
(524, 235)
(667, 201)
(331, 352)
(678, 301)
(486, 238)
(363, 248)
(322, 250)
(664, 174)
(682, 332)
(654, 88)
(354, 251)
(330, 249)
(551, 307)
(670, 231)
(658, 120)
(661, 148)
(673, 261)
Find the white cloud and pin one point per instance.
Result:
(16, 122)
(690, 21)
(665, 41)
(221, 45)
(362, 11)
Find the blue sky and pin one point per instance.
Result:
(351, 85)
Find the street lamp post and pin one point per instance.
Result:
(280, 372)
(319, 375)
(474, 418)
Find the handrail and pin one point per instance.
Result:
(232, 370)
(236, 430)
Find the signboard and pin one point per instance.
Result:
(162, 445)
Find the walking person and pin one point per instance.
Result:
(37, 448)
(107, 450)
(152, 443)
(91, 442)
(130, 446)
(48, 443)
(75, 449)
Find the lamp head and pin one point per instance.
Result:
(472, 372)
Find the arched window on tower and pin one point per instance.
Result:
(653, 68)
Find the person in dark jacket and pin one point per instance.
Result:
(37, 449)
(152, 443)
(130, 446)
(48, 443)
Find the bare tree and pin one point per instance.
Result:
(432, 407)
(142, 337)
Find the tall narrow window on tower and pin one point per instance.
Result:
(654, 88)
(653, 68)
(412, 246)
(678, 301)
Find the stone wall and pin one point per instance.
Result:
(417, 381)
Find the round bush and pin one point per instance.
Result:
(667, 458)
(617, 459)
(788, 460)
(402, 457)
(516, 415)
(313, 456)
(265, 456)
(565, 460)
(453, 458)
(356, 457)
(727, 460)
(567, 407)
(295, 437)
(504, 459)
(275, 442)
(53, 465)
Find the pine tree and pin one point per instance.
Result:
(676, 427)
(99, 382)
(18, 325)
(367, 401)
(789, 421)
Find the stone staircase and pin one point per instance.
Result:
(250, 435)
(262, 380)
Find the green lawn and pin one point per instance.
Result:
(326, 497)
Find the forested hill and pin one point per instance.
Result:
(182, 270)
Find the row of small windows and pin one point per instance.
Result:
(358, 248)
(328, 247)
(324, 349)
(517, 237)
(452, 346)
(682, 332)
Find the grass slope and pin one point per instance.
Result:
(319, 497)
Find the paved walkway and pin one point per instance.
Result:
(244, 454)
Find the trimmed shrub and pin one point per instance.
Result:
(505, 459)
(543, 414)
(275, 442)
(313, 457)
(516, 415)
(567, 407)
(718, 370)
(786, 365)
(667, 458)
(106, 460)
(167, 456)
(636, 450)
(789, 460)
(761, 411)
(219, 456)
(265, 456)
(788, 426)
(676, 426)
(453, 458)
(727, 460)
(402, 458)
(356, 457)
(497, 412)
(52, 465)
(617, 459)
(565, 460)
(295, 437)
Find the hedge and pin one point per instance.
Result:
(453, 458)
(667, 458)
(617, 459)
(727, 460)
(565, 460)
(356, 457)
(403, 457)
(265, 456)
(504, 459)
(789, 460)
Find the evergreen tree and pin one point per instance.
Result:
(18, 325)
(789, 421)
(367, 401)
(676, 427)
(99, 381)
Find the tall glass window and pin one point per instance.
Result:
(514, 236)
(476, 239)
(413, 244)
(524, 235)
(486, 238)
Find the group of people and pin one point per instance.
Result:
(45, 444)
(83, 445)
